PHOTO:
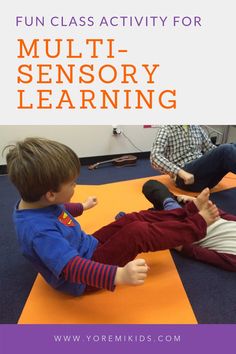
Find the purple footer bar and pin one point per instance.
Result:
(112, 339)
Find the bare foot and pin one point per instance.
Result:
(182, 198)
(209, 212)
(202, 199)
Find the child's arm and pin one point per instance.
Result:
(86, 271)
(104, 276)
(222, 260)
(77, 209)
(133, 273)
(90, 202)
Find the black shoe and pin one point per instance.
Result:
(156, 192)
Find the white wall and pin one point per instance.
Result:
(232, 134)
(85, 140)
(93, 140)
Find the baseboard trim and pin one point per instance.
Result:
(3, 169)
(94, 159)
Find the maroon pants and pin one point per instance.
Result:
(122, 240)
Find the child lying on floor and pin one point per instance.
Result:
(218, 247)
(45, 174)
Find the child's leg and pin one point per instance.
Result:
(109, 230)
(139, 236)
(222, 260)
(150, 216)
(159, 195)
(156, 193)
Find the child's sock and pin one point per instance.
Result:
(119, 215)
(170, 203)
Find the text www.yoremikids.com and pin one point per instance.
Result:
(96, 338)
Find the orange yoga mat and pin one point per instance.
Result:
(161, 300)
(229, 181)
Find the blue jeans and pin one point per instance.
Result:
(209, 169)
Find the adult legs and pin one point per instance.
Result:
(209, 169)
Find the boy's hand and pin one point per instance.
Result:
(187, 177)
(133, 273)
(89, 203)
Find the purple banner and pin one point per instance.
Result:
(112, 339)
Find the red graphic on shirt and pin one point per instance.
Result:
(65, 219)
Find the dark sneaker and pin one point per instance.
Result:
(156, 192)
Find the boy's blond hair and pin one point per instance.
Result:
(37, 165)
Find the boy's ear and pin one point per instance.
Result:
(50, 196)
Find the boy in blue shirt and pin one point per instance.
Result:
(71, 261)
